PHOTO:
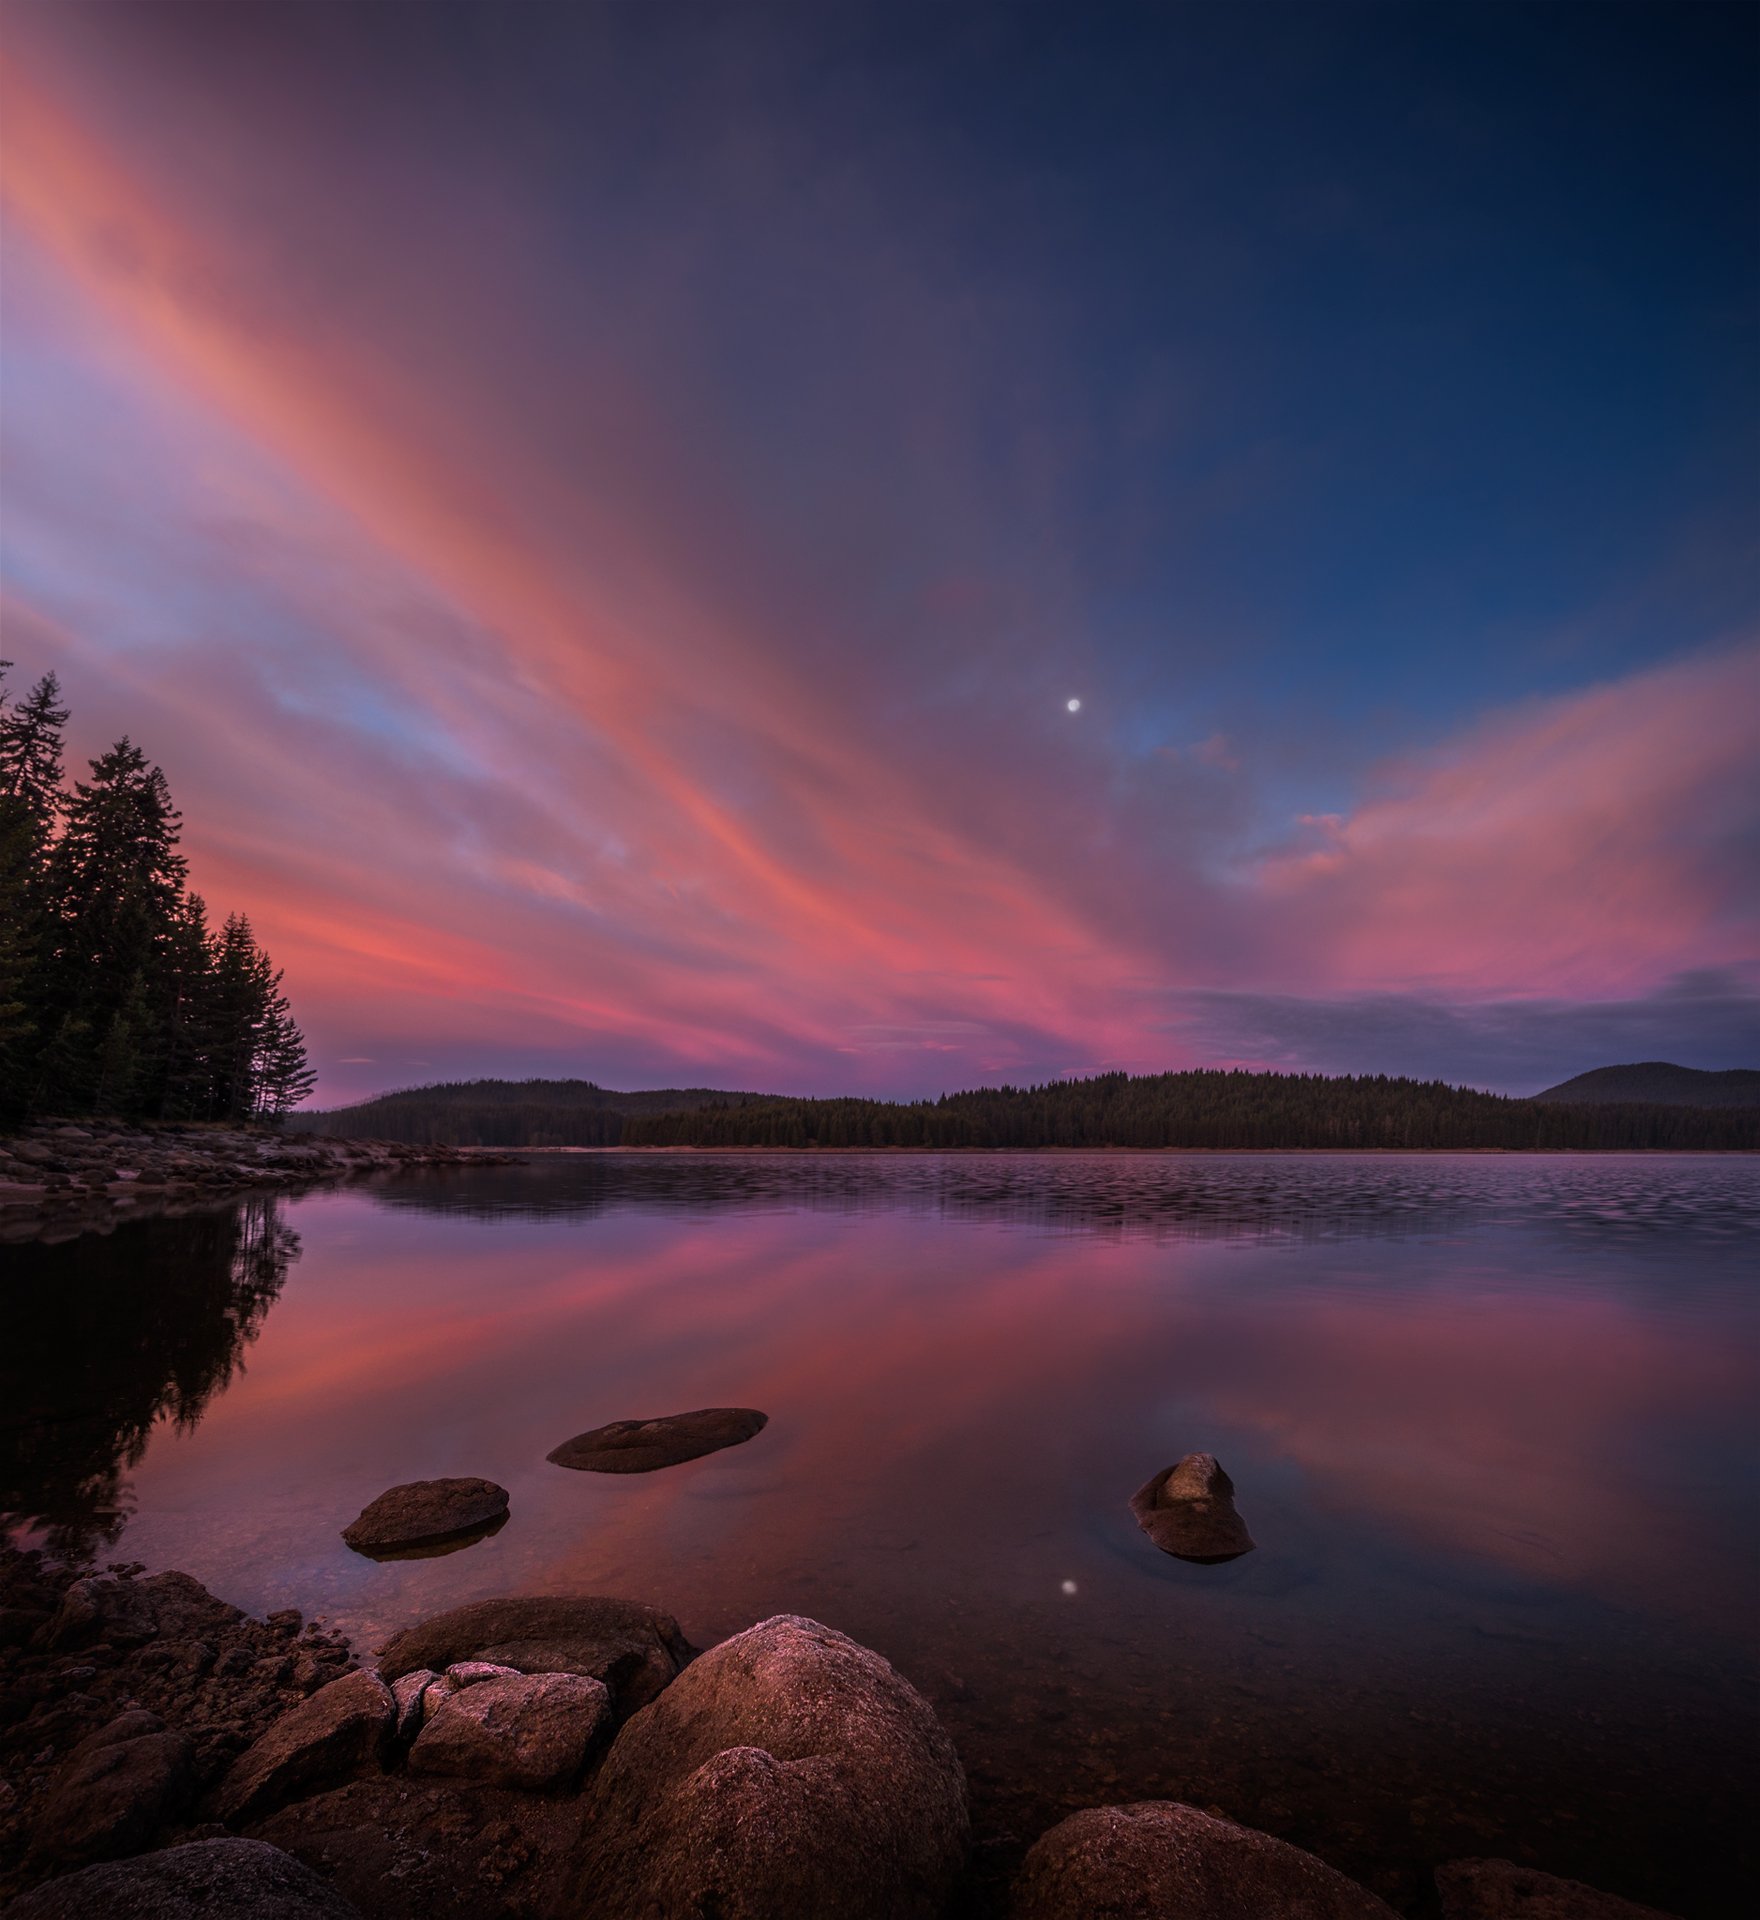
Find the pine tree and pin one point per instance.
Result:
(30, 797)
(241, 988)
(30, 750)
(182, 1084)
(114, 889)
(283, 1077)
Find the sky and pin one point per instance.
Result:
(602, 514)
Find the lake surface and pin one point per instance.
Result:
(1490, 1419)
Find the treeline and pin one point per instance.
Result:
(1207, 1108)
(1199, 1109)
(508, 1113)
(116, 995)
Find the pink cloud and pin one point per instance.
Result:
(526, 744)
(1590, 843)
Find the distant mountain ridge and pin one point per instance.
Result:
(507, 1113)
(1214, 1108)
(1658, 1083)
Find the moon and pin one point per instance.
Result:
(1074, 706)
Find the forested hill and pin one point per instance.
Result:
(510, 1113)
(1662, 1083)
(1200, 1109)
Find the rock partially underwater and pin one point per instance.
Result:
(1188, 1511)
(639, 1446)
(427, 1516)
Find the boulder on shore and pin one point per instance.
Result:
(130, 1612)
(515, 1730)
(1188, 1511)
(342, 1728)
(786, 1774)
(206, 1880)
(1159, 1860)
(634, 1649)
(639, 1446)
(119, 1785)
(1500, 1890)
(426, 1513)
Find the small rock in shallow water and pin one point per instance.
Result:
(639, 1446)
(425, 1513)
(1188, 1511)
(1500, 1890)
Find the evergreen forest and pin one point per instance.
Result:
(117, 996)
(1207, 1108)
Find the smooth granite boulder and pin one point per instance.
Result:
(634, 1649)
(787, 1774)
(639, 1446)
(119, 1785)
(1188, 1511)
(206, 1880)
(1158, 1860)
(427, 1513)
(1500, 1890)
(515, 1730)
(342, 1728)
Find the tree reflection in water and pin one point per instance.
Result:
(107, 1336)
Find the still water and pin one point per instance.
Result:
(1490, 1420)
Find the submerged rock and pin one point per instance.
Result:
(634, 1649)
(1500, 1890)
(787, 1774)
(639, 1446)
(514, 1730)
(342, 1728)
(1159, 1860)
(427, 1513)
(206, 1880)
(1189, 1511)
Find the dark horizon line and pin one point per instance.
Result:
(1005, 1086)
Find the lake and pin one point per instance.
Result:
(1490, 1420)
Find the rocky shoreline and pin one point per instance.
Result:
(70, 1176)
(163, 1755)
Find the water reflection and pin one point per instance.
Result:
(436, 1549)
(107, 1336)
(1489, 1417)
(1201, 1196)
